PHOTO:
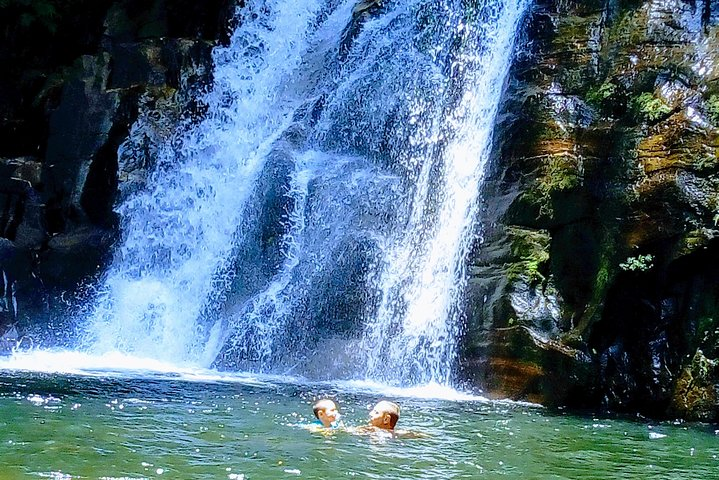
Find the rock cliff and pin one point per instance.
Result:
(76, 74)
(595, 282)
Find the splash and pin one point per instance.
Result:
(178, 233)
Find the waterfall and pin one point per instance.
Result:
(317, 219)
(178, 233)
(412, 336)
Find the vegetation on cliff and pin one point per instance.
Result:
(612, 150)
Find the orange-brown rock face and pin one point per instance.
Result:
(609, 149)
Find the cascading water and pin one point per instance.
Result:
(317, 219)
(412, 336)
(178, 233)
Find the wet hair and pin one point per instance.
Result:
(391, 408)
(393, 417)
(323, 404)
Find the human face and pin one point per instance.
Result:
(379, 418)
(328, 414)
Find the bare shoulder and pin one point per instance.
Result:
(362, 430)
(312, 427)
(370, 430)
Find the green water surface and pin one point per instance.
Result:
(60, 427)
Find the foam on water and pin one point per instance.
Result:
(120, 365)
(178, 233)
(431, 390)
(116, 364)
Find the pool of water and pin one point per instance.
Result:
(130, 425)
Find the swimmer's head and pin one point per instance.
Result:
(326, 411)
(384, 415)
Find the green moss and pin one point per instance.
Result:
(695, 394)
(598, 96)
(707, 335)
(609, 98)
(713, 108)
(601, 281)
(713, 204)
(693, 241)
(572, 79)
(549, 130)
(648, 108)
(627, 29)
(603, 278)
(560, 173)
(530, 251)
(705, 161)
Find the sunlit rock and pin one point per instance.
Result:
(696, 395)
(614, 154)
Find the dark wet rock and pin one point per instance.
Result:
(79, 127)
(8, 340)
(22, 294)
(525, 364)
(361, 12)
(8, 304)
(71, 257)
(73, 83)
(21, 207)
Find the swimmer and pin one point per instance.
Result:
(382, 420)
(327, 413)
(384, 415)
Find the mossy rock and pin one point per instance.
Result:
(559, 174)
(695, 394)
(527, 365)
(530, 249)
(646, 107)
(712, 108)
(695, 240)
(609, 99)
(597, 96)
(628, 26)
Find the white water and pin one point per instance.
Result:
(117, 365)
(413, 336)
(377, 145)
(178, 234)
